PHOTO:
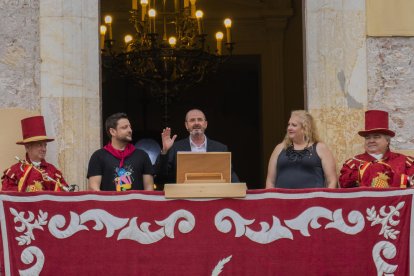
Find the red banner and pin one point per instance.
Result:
(273, 232)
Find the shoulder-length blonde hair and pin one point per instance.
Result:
(308, 125)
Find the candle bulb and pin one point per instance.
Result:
(152, 13)
(172, 41)
(219, 37)
(128, 40)
(134, 5)
(199, 16)
(144, 4)
(227, 24)
(108, 21)
(193, 8)
(103, 32)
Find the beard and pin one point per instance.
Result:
(125, 139)
(197, 131)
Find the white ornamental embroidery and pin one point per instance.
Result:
(220, 265)
(266, 235)
(386, 219)
(143, 235)
(101, 218)
(388, 250)
(60, 229)
(27, 257)
(310, 217)
(307, 218)
(28, 225)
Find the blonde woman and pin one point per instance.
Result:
(301, 160)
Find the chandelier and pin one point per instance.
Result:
(168, 52)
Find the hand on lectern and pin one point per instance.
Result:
(167, 141)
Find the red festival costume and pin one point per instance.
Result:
(393, 170)
(25, 177)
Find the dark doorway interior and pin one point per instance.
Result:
(230, 99)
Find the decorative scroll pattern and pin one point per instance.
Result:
(27, 257)
(266, 235)
(226, 218)
(389, 251)
(385, 218)
(102, 219)
(143, 235)
(310, 217)
(28, 224)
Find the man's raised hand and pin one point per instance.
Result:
(167, 141)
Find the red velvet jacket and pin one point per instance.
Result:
(393, 170)
(32, 179)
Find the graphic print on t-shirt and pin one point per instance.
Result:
(123, 179)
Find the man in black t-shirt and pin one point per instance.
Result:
(119, 166)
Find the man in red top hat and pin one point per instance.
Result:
(378, 167)
(34, 173)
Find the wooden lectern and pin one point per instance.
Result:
(204, 175)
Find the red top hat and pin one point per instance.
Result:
(33, 129)
(376, 121)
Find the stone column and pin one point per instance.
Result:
(336, 76)
(70, 83)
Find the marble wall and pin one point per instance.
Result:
(336, 65)
(348, 73)
(19, 55)
(19, 73)
(391, 84)
(49, 63)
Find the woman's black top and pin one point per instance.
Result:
(298, 169)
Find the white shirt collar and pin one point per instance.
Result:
(377, 156)
(201, 148)
(36, 164)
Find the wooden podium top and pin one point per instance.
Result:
(204, 167)
(204, 175)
